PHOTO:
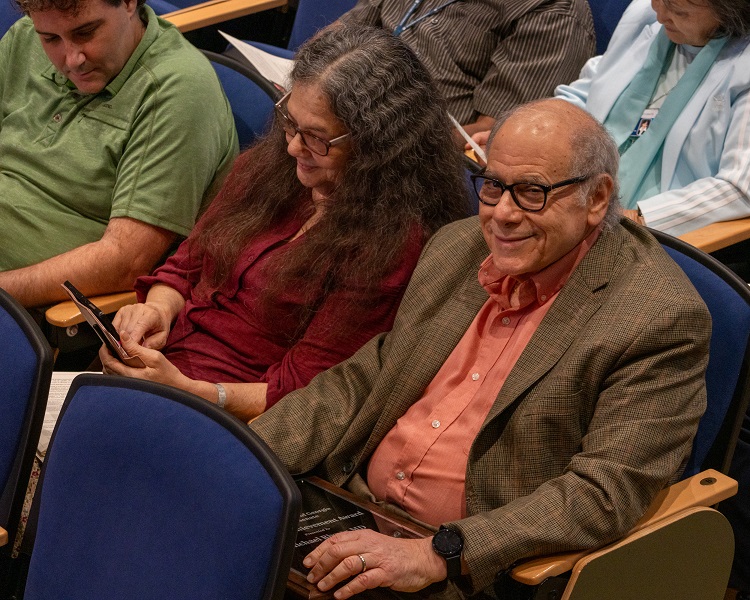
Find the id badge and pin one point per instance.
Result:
(644, 122)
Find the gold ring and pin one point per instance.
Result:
(364, 563)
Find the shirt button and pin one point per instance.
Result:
(57, 118)
(506, 321)
(435, 424)
(474, 376)
(400, 475)
(544, 298)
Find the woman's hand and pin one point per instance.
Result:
(244, 400)
(401, 564)
(148, 322)
(157, 367)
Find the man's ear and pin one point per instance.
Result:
(131, 6)
(598, 201)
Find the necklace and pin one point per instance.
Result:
(664, 95)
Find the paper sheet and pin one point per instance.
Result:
(274, 68)
(58, 389)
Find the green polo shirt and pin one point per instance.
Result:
(149, 146)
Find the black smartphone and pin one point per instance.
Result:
(102, 326)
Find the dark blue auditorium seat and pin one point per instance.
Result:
(149, 492)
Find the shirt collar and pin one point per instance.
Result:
(516, 293)
(149, 35)
(114, 86)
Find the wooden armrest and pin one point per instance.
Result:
(3, 537)
(718, 235)
(66, 314)
(703, 489)
(217, 11)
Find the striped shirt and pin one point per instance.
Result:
(488, 55)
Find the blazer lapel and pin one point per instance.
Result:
(578, 300)
(606, 90)
(438, 341)
(712, 90)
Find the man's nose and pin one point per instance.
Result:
(74, 56)
(506, 208)
(658, 8)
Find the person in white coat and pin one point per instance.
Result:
(673, 89)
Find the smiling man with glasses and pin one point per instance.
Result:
(543, 379)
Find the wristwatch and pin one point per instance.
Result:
(448, 543)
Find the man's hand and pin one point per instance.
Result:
(401, 564)
(482, 124)
(481, 139)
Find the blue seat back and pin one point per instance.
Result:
(606, 15)
(727, 380)
(250, 97)
(25, 372)
(149, 492)
(313, 15)
(9, 14)
(162, 7)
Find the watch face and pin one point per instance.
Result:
(447, 542)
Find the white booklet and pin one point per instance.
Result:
(58, 390)
(274, 68)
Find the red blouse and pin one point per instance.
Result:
(227, 336)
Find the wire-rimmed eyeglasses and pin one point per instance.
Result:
(312, 142)
(531, 197)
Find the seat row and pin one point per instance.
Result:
(148, 491)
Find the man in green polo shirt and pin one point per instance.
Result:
(114, 132)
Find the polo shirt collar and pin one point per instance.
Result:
(151, 33)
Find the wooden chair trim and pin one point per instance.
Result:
(66, 314)
(703, 489)
(3, 537)
(217, 11)
(718, 235)
(701, 512)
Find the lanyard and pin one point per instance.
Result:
(405, 24)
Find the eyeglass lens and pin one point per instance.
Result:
(527, 195)
(313, 143)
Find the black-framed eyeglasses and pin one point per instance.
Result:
(531, 197)
(312, 142)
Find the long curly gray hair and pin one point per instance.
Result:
(404, 173)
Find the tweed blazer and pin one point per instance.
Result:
(596, 416)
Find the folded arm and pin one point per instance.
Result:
(524, 69)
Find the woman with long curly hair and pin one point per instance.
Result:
(308, 248)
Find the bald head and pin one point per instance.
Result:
(548, 185)
(580, 138)
(551, 113)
